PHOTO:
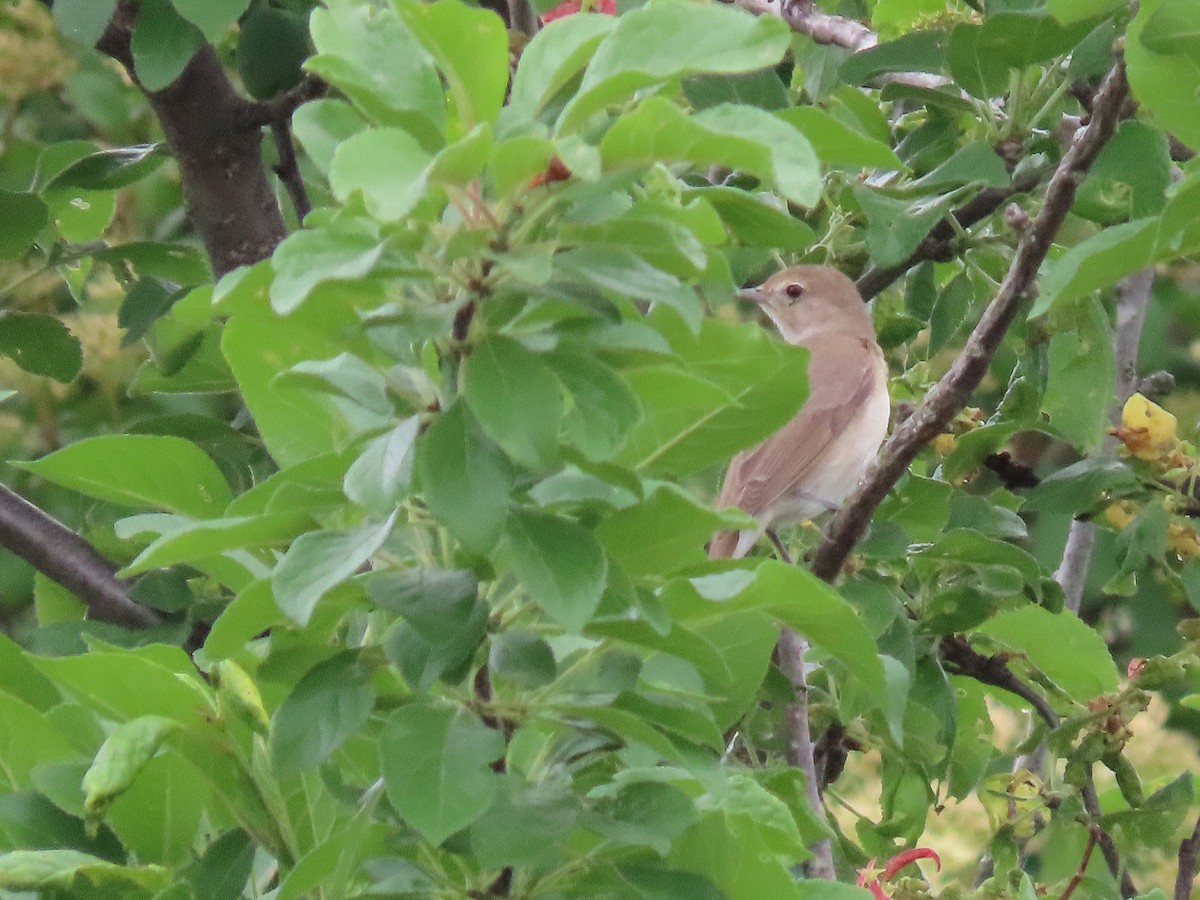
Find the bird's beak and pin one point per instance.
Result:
(756, 294)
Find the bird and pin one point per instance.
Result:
(818, 458)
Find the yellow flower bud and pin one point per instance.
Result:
(1121, 513)
(944, 444)
(1147, 430)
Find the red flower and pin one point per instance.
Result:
(570, 7)
(873, 880)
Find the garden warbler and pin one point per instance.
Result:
(815, 461)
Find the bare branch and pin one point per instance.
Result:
(261, 113)
(951, 394)
(1189, 850)
(799, 752)
(62, 555)
(288, 168)
(962, 659)
(823, 28)
(938, 244)
(1133, 296)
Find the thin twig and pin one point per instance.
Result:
(799, 752)
(1072, 570)
(951, 394)
(1077, 878)
(1133, 296)
(63, 556)
(938, 244)
(261, 113)
(962, 659)
(823, 28)
(1189, 851)
(288, 169)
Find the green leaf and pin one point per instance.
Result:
(1165, 84)
(797, 599)
(516, 398)
(737, 137)
(319, 561)
(28, 738)
(163, 44)
(212, 17)
(1068, 11)
(222, 870)
(346, 376)
(24, 215)
(662, 534)
(896, 226)
(835, 143)
(561, 565)
(83, 20)
(738, 387)
(180, 263)
(1063, 646)
(248, 615)
(330, 703)
(122, 755)
(1082, 486)
(40, 344)
(37, 870)
(762, 89)
(146, 302)
(1082, 371)
(470, 46)
(647, 814)
(381, 476)
(522, 658)
(605, 408)
(435, 767)
(367, 52)
(557, 53)
(1157, 821)
(213, 536)
(1129, 178)
(295, 425)
(465, 478)
(1097, 262)
(918, 51)
(754, 220)
(108, 170)
(434, 601)
(308, 259)
(387, 166)
(321, 125)
(661, 42)
(271, 49)
(1171, 28)
(625, 273)
(166, 473)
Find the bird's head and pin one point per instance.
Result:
(807, 300)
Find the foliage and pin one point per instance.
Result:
(423, 498)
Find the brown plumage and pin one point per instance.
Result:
(815, 461)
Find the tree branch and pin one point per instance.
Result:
(799, 752)
(1189, 850)
(823, 28)
(225, 185)
(62, 555)
(938, 244)
(962, 659)
(1133, 296)
(950, 395)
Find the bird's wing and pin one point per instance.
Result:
(844, 375)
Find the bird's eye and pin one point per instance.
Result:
(795, 291)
